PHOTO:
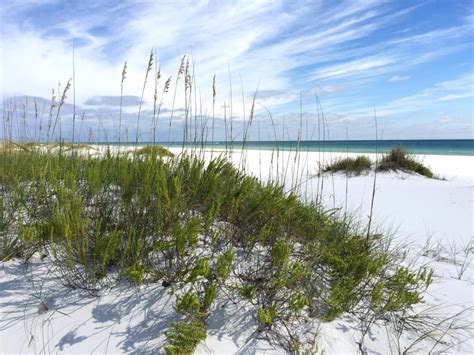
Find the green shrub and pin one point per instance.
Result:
(266, 316)
(136, 274)
(183, 337)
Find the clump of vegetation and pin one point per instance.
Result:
(397, 159)
(350, 166)
(153, 150)
(400, 159)
(204, 230)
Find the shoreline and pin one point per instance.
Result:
(327, 147)
(292, 148)
(447, 166)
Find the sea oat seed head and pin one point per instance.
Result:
(150, 65)
(214, 86)
(66, 89)
(187, 76)
(167, 85)
(158, 74)
(124, 72)
(181, 66)
(150, 61)
(53, 99)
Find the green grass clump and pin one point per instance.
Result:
(154, 150)
(350, 165)
(204, 230)
(399, 159)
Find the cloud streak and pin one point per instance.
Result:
(127, 100)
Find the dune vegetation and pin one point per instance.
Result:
(153, 150)
(350, 166)
(397, 159)
(204, 230)
(400, 159)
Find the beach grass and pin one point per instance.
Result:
(351, 166)
(153, 150)
(399, 159)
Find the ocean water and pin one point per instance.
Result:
(432, 146)
(421, 146)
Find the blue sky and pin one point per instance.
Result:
(410, 60)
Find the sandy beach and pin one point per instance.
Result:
(433, 216)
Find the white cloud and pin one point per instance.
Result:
(331, 89)
(456, 96)
(353, 68)
(399, 78)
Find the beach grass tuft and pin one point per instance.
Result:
(400, 159)
(350, 166)
(153, 150)
(397, 159)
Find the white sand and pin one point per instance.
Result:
(124, 319)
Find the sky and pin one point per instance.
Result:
(407, 63)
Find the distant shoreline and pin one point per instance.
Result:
(456, 147)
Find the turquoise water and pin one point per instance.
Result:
(421, 146)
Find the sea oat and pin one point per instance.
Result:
(167, 85)
(181, 67)
(157, 80)
(64, 95)
(214, 87)
(148, 70)
(187, 77)
(124, 72)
